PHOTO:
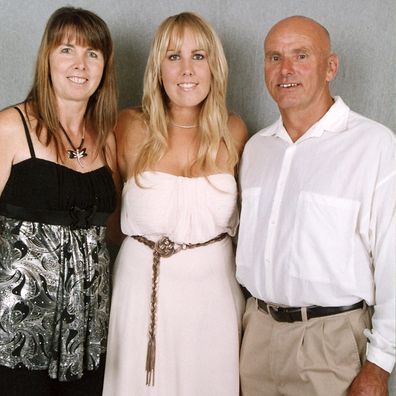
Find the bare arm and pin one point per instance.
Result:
(239, 135)
(123, 148)
(130, 134)
(12, 146)
(114, 234)
(238, 131)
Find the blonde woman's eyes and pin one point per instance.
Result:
(198, 56)
(174, 57)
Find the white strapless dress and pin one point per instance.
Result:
(200, 304)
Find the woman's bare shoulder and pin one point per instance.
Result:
(130, 133)
(13, 145)
(11, 129)
(9, 120)
(130, 119)
(238, 130)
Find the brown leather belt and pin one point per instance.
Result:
(295, 314)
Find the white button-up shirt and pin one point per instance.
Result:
(318, 220)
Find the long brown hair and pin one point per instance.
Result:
(213, 116)
(86, 28)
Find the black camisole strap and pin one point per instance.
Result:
(27, 133)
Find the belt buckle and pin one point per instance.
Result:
(273, 306)
(165, 247)
(274, 311)
(271, 309)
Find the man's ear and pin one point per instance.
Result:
(332, 67)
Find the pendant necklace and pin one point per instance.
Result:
(183, 126)
(79, 152)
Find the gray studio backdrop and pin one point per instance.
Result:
(363, 34)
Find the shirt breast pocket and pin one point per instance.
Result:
(323, 238)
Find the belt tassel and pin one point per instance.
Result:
(150, 362)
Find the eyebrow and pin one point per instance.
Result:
(178, 50)
(89, 48)
(267, 53)
(294, 51)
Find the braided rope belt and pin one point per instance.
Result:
(164, 247)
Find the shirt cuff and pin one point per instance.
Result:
(382, 358)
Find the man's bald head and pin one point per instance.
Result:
(303, 25)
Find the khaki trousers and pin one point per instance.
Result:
(319, 357)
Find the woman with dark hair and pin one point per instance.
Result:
(57, 186)
(176, 308)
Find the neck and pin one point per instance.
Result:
(184, 118)
(71, 117)
(297, 122)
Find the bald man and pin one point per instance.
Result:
(316, 246)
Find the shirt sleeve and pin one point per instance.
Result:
(381, 346)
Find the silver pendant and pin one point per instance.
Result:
(78, 154)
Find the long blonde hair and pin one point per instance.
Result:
(87, 29)
(213, 115)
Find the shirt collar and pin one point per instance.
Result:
(335, 120)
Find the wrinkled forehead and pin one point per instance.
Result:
(297, 33)
(291, 40)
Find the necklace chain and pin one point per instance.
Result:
(183, 126)
(79, 152)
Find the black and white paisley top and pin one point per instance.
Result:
(54, 267)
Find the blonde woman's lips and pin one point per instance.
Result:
(187, 86)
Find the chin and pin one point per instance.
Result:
(189, 103)
(288, 100)
(287, 104)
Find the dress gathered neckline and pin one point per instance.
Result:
(60, 166)
(222, 174)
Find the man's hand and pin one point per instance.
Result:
(371, 381)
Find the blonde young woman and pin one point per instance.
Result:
(57, 162)
(176, 307)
